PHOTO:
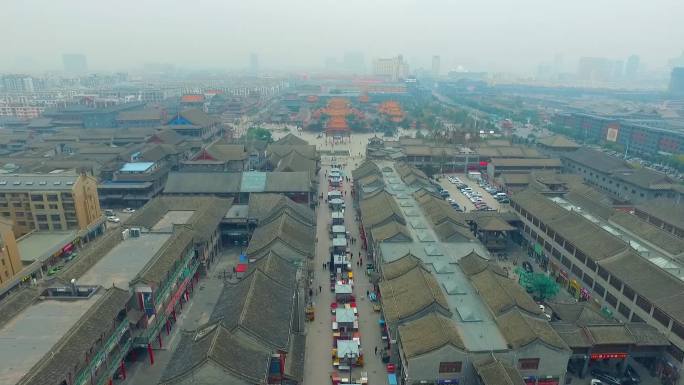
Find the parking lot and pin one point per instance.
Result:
(463, 200)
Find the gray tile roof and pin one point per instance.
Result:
(214, 344)
(265, 206)
(77, 342)
(415, 291)
(494, 372)
(299, 181)
(285, 229)
(258, 306)
(429, 333)
(203, 183)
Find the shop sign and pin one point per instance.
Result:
(176, 296)
(605, 356)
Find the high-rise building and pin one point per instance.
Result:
(18, 83)
(435, 65)
(392, 69)
(253, 64)
(75, 63)
(677, 81)
(632, 67)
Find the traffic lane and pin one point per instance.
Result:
(487, 197)
(457, 195)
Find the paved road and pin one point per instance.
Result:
(318, 364)
(193, 316)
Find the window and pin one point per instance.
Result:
(611, 300)
(678, 329)
(53, 207)
(676, 352)
(571, 249)
(616, 283)
(661, 317)
(636, 318)
(599, 289)
(39, 206)
(52, 197)
(566, 262)
(55, 217)
(624, 310)
(603, 273)
(556, 253)
(43, 226)
(588, 280)
(577, 271)
(644, 304)
(41, 217)
(36, 198)
(528, 363)
(450, 367)
(628, 292)
(590, 264)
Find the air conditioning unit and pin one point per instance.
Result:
(135, 232)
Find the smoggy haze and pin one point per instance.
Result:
(492, 35)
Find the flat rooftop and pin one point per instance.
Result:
(31, 334)
(475, 323)
(125, 261)
(173, 217)
(40, 245)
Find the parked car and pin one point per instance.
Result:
(113, 219)
(54, 270)
(128, 210)
(109, 212)
(444, 194)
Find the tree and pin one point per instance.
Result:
(259, 133)
(542, 286)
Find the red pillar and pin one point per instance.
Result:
(161, 343)
(123, 370)
(111, 382)
(174, 315)
(151, 353)
(168, 328)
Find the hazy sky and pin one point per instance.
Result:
(492, 35)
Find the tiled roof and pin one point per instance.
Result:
(427, 334)
(69, 351)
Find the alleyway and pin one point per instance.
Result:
(319, 344)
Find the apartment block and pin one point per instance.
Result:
(49, 202)
(10, 263)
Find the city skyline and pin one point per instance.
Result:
(506, 40)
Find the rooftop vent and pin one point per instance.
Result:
(42, 183)
(16, 182)
(3, 182)
(29, 183)
(57, 183)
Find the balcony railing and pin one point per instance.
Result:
(101, 355)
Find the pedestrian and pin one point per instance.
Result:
(376, 350)
(310, 292)
(367, 293)
(319, 288)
